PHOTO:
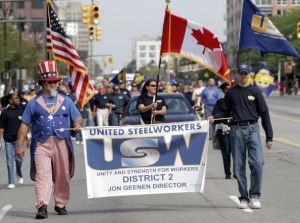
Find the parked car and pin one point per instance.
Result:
(179, 110)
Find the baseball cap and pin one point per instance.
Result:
(244, 68)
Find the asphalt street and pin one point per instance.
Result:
(280, 193)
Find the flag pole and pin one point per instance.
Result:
(238, 52)
(158, 75)
(47, 25)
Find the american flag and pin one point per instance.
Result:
(62, 48)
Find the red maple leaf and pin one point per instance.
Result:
(207, 39)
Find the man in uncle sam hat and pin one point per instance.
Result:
(52, 156)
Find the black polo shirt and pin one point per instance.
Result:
(10, 120)
(101, 100)
(147, 100)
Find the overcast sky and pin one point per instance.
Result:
(122, 20)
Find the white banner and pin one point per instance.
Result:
(149, 159)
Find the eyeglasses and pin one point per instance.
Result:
(243, 73)
(52, 82)
(153, 85)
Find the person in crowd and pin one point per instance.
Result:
(116, 104)
(198, 88)
(10, 120)
(100, 108)
(105, 83)
(188, 94)
(123, 89)
(23, 101)
(134, 90)
(149, 107)
(246, 104)
(222, 131)
(52, 155)
(209, 97)
(32, 93)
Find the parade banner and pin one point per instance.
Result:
(148, 159)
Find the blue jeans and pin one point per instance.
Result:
(245, 140)
(208, 109)
(11, 156)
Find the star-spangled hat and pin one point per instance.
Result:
(48, 71)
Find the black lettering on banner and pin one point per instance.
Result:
(170, 176)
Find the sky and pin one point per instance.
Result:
(122, 20)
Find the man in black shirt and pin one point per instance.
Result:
(246, 104)
(10, 120)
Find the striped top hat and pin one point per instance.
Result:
(48, 71)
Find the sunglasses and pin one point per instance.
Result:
(52, 82)
(153, 85)
(243, 73)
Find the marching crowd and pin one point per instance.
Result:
(53, 107)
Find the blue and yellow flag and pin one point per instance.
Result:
(258, 32)
(264, 80)
(119, 77)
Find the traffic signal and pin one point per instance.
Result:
(298, 29)
(86, 14)
(91, 33)
(98, 33)
(95, 14)
(104, 64)
(111, 60)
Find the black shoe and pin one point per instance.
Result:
(234, 176)
(42, 212)
(61, 211)
(227, 177)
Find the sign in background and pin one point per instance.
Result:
(151, 159)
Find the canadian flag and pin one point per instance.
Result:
(192, 41)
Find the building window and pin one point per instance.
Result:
(142, 55)
(281, 2)
(281, 12)
(20, 5)
(263, 2)
(152, 55)
(142, 47)
(37, 4)
(152, 47)
(295, 2)
(38, 27)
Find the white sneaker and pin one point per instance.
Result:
(254, 203)
(11, 186)
(77, 142)
(21, 180)
(243, 204)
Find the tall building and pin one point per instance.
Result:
(233, 17)
(34, 12)
(71, 14)
(146, 51)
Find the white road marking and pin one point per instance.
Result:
(4, 210)
(274, 115)
(236, 200)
